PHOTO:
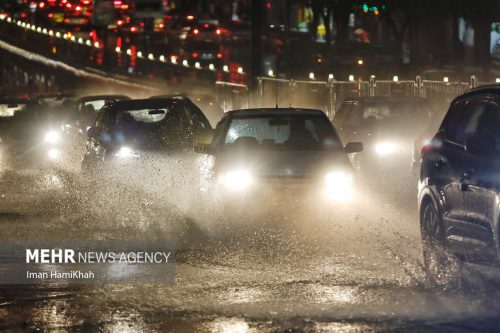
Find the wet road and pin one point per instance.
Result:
(292, 272)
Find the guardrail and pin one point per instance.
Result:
(231, 96)
(328, 95)
(120, 57)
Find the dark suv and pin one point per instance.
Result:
(459, 184)
(138, 132)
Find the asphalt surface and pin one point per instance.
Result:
(292, 271)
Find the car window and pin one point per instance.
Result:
(451, 118)
(466, 125)
(282, 132)
(487, 125)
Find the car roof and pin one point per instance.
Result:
(385, 98)
(280, 111)
(173, 96)
(486, 89)
(54, 96)
(105, 97)
(147, 103)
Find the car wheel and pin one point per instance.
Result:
(441, 264)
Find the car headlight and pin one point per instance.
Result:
(385, 148)
(53, 153)
(51, 137)
(125, 152)
(237, 180)
(339, 185)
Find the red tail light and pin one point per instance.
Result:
(133, 29)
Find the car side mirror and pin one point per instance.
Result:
(353, 147)
(93, 132)
(203, 148)
(481, 145)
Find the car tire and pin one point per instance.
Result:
(442, 265)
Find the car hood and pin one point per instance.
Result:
(284, 163)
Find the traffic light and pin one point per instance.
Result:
(371, 8)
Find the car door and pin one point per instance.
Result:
(442, 165)
(97, 144)
(479, 183)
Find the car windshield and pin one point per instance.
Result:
(157, 128)
(282, 132)
(388, 113)
(94, 105)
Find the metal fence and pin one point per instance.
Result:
(328, 95)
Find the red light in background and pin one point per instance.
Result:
(205, 25)
(195, 55)
(69, 5)
(117, 3)
(218, 32)
(142, 24)
(124, 7)
(219, 55)
(196, 31)
(23, 15)
(78, 8)
(41, 5)
(119, 22)
(268, 5)
(133, 29)
(50, 15)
